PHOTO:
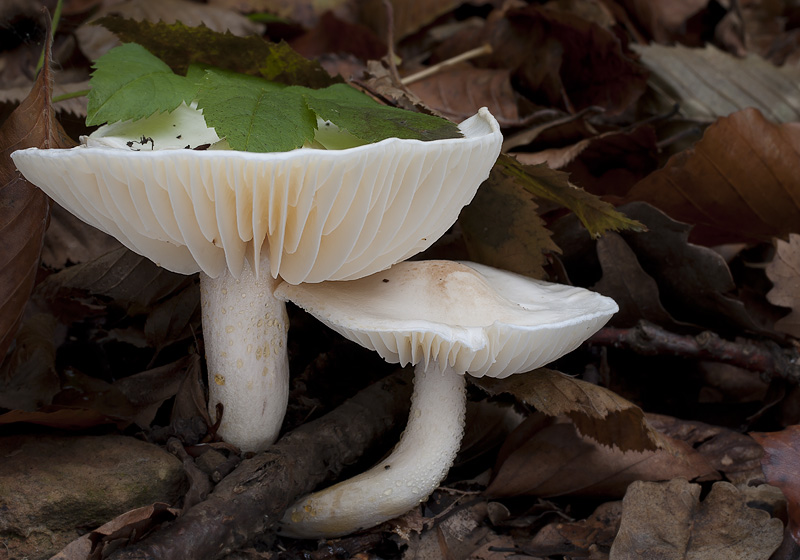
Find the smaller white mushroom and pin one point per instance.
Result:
(448, 319)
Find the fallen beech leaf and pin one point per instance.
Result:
(597, 412)
(28, 378)
(71, 241)
(596, 215)
(577, 539)
(561, 60)
(62, 417)
(549, 458)
(457, 92)
(737, 184)
(781, 457)
(732, 453)
(502, 228)
(126, 528)
(784, 272)
(24, 209)
(409, 15)
(664, 20)
(624, 280)
(694, 282)
(120, 275)
(668, 520)
(708, 83)
(174, 319)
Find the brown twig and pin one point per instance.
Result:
(253, 498)
(763, 356)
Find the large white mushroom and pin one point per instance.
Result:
(449, 319)
(244, 219)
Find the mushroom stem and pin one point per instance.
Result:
(244, 330)
(412, 471)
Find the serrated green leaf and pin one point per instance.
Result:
(255, 115)
(179, 46)
(361, 116)
(147, 86)
(596, 215)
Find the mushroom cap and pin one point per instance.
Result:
(472, 317)
(316, 214)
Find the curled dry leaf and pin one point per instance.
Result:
(737, 184)
(781, 457)
(784, 272)
(549, 458)
(597, 412)
(664, 20)
(668, 520)
(24, 209)
(130, 526)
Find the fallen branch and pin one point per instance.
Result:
(762, 356)
(253, 497)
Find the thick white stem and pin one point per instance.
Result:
(244, 329)
(397, 484)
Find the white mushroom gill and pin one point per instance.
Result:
(448, 319)
(243, 219)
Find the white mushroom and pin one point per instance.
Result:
(449, 319)
(242, 219)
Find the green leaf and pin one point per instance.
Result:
(596, 215)
(361, 116)
(255, 115)
(146, 86)
(179, 46)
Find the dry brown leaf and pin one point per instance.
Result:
(125, 528)
(708, 83)
(624, 280)
(459, 91)
(694, 282)
(577, 539)
(738, 183)
(668, 520)
(502, 228)
(549, 458)
(24, 209)
(28, 378)
(131, 280)
(597, 412)
(561, 60)
(72, 241)
(664, 20)
(784, 272)
(781, 457)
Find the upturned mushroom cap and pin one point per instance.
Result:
(316, 214)
(417, 312)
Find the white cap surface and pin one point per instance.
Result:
(472, 317)
(316, 214)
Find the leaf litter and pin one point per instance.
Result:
(108, 339)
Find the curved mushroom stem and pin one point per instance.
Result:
(412, 471)
(244, 329)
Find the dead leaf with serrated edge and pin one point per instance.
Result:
(24, 209)
(597, 412)
(784, 272)
(596, 215)
(502, 228)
